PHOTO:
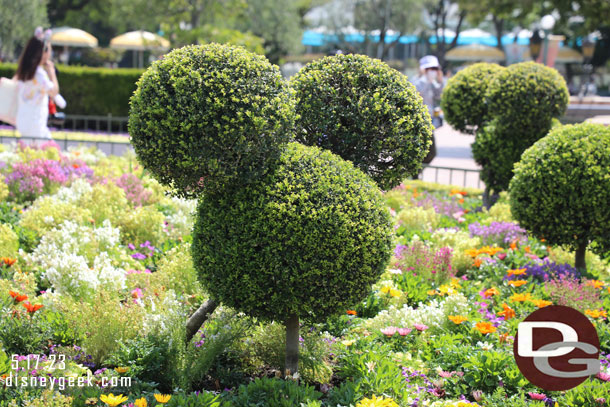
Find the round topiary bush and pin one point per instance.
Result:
(302, 243)
(208, 115)
(561, 188)
(463, 99)
(366, 112)
(526, 97)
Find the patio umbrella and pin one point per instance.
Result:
(475, 52)
(565, 55)
(140, 41)
(72, 37)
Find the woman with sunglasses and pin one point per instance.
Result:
(37, 82)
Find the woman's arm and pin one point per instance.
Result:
(50, 68)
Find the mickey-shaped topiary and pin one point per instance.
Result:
(208, 115)
(366, 112)
(561, 188)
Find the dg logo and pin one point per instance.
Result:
(557, 348)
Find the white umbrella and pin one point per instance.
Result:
(72, 37)
(140, 41)
(475, 52)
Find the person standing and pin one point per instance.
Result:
(37, 82)
(430, 84)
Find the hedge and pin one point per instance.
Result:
(92, 91)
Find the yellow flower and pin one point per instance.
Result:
(595, 313)
(515, 272)
(385, 289)
(431, 292)
(541, 303)
(517, 283)
(520, 297)
(348, 342)
(455, 284)
(91, 401)
(162, 398)
(395, 293)
(485, 327)
(472, 252)
(377, 402)
(457, 319)
(444, 290)
(140, 402)
(121, 369)
(111, 400)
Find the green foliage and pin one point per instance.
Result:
(142, 224)
(561, 188)
(273, 393)
(212, 33)
(366, 112)
(203, 399)
(485, 370)
(20, 332)
(309, 239)
(9, 241)
(92, 91)
(588, 394)
(463, 99)
(523, 100)
(18, 21)
(208, 115)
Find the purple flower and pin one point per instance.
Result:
(138, 256)
(498, 233)
(131, 246)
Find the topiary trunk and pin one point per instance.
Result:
(199, 317)
(292, 345)
(579, 262)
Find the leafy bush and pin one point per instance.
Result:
(199, 399)
(571, 164)
(418, 218)
(47, 213)
(209, 114)
(308, 240)
(364, 111)
(143, 224)
(9, 241)
(92, 91)
(463, 99)
(273, 393)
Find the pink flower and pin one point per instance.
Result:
(404, 331)
(603, 376)
(444, 374)
(389, 331)
(501, 256)
(136, 293)
(420, 327)
(537, 396)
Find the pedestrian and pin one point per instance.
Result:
(37, 82)
(430, 84)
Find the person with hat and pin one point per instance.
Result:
(430, 84)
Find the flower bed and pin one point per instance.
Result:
(97, 281)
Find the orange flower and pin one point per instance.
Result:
(472, 252)
(491, 292)
(18, 297)
(513, 245)
(527, 249)
(520, 297)
(595, 313)
(478, 262)
(516, 272)
(8, 261)
(75, 166)
(490, 250)
(517, 283)
(508, 312)
(31, 308)
(503, 337)
(595, 283)
(457, 319)
(541, 303)
(351, 312)
(461, 200)
(485, 327)
(542, 239)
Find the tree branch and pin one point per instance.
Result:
(199, 317)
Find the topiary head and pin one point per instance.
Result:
(209, 115)
(366, 112)
(308, 239)
(526, 97)
(463, 99)
(561, 187)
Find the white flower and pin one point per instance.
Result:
(485, 345)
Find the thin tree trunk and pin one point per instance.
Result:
(292, 345)
(579, 261)
(199, 317)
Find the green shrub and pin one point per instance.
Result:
(210, 114)
(523, 101)
(142, 224)
(418, 218)
(273, 393)
(463, 99)
(561, 188)
(366, 112)
(9, 241)
(309, 239)
(92, 91)
(3, 189)
(199, 399)
(47, 213)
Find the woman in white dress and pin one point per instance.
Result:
(37, 82)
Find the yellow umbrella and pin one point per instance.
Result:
(475, 52)
(565, 55)
(72, 37)
(140, 41)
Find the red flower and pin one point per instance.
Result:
(18, 297)
(32, 308)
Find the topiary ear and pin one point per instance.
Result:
(209, 115)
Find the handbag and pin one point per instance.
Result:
(8, 101)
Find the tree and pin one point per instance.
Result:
(561, 188)
(18, 20)
(58, 9)
(440, 12)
